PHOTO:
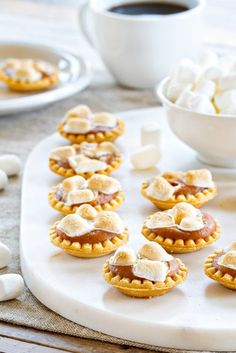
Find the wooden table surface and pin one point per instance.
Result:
(56, 21)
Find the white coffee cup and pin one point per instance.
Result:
(140, 50)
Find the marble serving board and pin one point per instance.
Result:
(198, 315)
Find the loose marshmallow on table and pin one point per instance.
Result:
(4, 255)
(3, 179)
(146, 157)
(151, 134)
(11, 286)
(208, 58)
(206, 88)
(174, 89)
(186, 72)
(10, 164)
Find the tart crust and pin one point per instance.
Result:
(69, 172)
(180, 246)
(225, 279)
(60, 206)
(197, 200)
(87, 250)
(39, 85)
(144, 288)
(100, 136)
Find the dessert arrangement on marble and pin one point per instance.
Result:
(88, 198)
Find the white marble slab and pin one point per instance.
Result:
(199, 315)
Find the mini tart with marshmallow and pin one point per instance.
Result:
(152, 272)
(100, 191)
(88, 233)
(85, 159)
(80, 124)
(182, 229)
(221, 266)
(194, 186)
(26, 75)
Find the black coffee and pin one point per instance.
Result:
(148, 8)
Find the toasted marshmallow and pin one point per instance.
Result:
(109, 221)
(82, 164)
(186, 72)
(77, 126)
(105, 148)
(11, 63)
(74, 183)
(228, 259)
(154, 251)
(199, 178)
(174, 89)
(228, 82)
(232, 246)
(208, 58)
(80, 111)
(213, 73)
(161, 189)
(146, 157)
(182, 210)
(156, 271)
(88, 149)
(62, 153)
(191, 223)
(103, 183)
(151, 134)
(184, 98)
(206, 88)
(227, 63)
(124, 256)
(225, 100)
(160, 220)
(26, 74)
(201, 104)
(105, 119)
(76, 197)
(87, 211)
(74, 225)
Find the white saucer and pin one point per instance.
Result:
(75, 75)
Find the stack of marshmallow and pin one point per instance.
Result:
(208, 86)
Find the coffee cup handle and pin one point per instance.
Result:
(83, 14)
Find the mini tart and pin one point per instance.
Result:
(99, 136)
(225, 279)
(197, 200)
(144, 288)
(60, 206)
(87, 250)
(181, 246)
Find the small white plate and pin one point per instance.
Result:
(75, 75)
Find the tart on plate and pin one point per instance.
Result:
(80, 124)
(182, 229)
(221, 266)
(152, 272)
(100, 191)
(88, 233)
(194, 186)
(85, 159)
(27, 75)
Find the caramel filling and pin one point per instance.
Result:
(101, 198)
(175, 233)
(95, 236)
(108, 159)
(223, 269)
(183, 188)
(127, 272)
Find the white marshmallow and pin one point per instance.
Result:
(174, 89)
(151, 134)
(208, 58)
(227, 63)
(231, 110)
(184, 98)
(5, 255)
(226, 100)
(201, 104)
(191, 223)
(161, 189)
(155, 252)
(199, 177)
(206, 87)
(3, 179)
(228, 82)
(146, 157)
(152, 270)
(186, 72)
(213, 73)
(10, 164)
(124, 256)
(11, 286)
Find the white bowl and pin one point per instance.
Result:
(213, 137)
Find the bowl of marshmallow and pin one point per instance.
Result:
(200, 103)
